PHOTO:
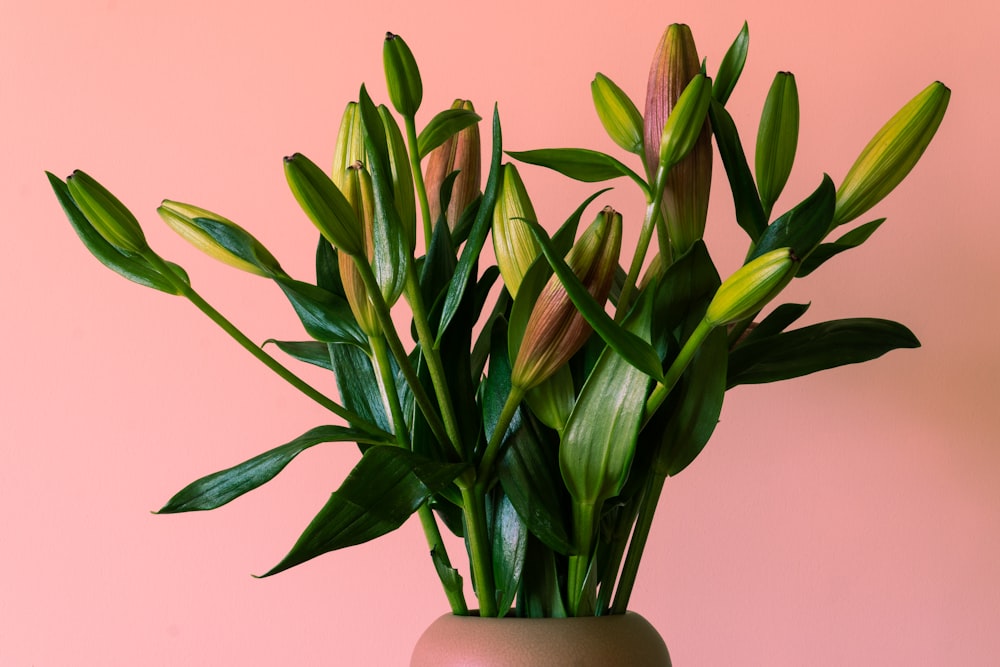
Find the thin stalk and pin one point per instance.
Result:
(676, 370)
(653, 202)
(650, 499)
(480, 549)
(418, 178)
(623, 529)
(485, 470)
(431, 532)
(579, 562)
(283, 372)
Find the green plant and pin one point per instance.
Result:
(545, 434)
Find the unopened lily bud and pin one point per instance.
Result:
(460, 152)
(751, 287)
(402, 176)
(189, 221)
(513, 243)
(685, 195)
(401, 75)
(350, 146)
(686, 122)
(106, 213)
(325, 205)
(556, 330)
(618, 113)
(359, 192)
(777, 138)
(891, 153)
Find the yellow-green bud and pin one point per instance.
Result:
(461, 152)
(402, 176)
(513, 243)
(325, 205)
(891, 153)
(106, 213)
(777, 138)
(350, 146)
(685, 195)
(751, 287)
(181, 218)
(555, 328)
(359, 192)
(618, 113)
(401, 75)
(686, 122)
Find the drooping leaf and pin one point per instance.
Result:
(825, 251)
(442, 126)
(580, 164)
(749, 212)
(386, 486)
(325, 316)
(132, 267)
(219, 488)
(803, 227)
(815, 348)
(310, 351)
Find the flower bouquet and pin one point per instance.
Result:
(533, 407)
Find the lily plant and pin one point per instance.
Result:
(535, 406)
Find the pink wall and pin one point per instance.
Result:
(846, 518)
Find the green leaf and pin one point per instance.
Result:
(803, 227)
(444, 126)
(815, 348)
(477, 236)
(310, 351)
(386, 486)
(325, 316)
(825, 251)
(749, 212)
(731, 66)
(580, 164)
(358, 385)
(130, 266)
(219, 488)
(777, 321)
(328, 268)
(510, 545)
(636, 351)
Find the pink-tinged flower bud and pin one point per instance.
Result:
(685, 197)
(359, 192)
(556, 329)
(461, 152)
(892, 153)
(106, 213)
(513, 243)
(751, 287)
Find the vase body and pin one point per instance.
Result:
(601, 641)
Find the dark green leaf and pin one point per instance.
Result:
(386, 486)
(803, 227)
(633, 349)
(325, 316)
(580, 164)
(731, 66)
(749, 212)
(310, 351)
(328, 267)
(815, 348)
(780, 319)
(510, 543)
(443, 126)
(358, 385)
(130, 266)
(825, 251)
(219, 488)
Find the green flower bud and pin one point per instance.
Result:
(402, 176)
(461, 152)
(685, 194)
(325, 205)
(401, 75)
(618, 113)
(891, 153)
(359, 192)
(181, 218)
(350, 146)
(513, 243)
(777, 137)
(106, 213)
(555, 328)
(553, 399)
(751, 287)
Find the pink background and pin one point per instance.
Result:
(845, 518)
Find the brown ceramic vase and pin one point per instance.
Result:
(471, 641)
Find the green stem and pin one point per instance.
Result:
(514, 398)
(677, 368)
(480, 549)
(619, 541)
(650, 499)
(584, 529)
(642, 246)
(284, 373)
(418, 178)
(431, 532)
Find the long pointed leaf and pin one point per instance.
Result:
(580, 164)
(442, 126)
(803, 227)
(324, 315)
(825, 251)
(749, 212)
